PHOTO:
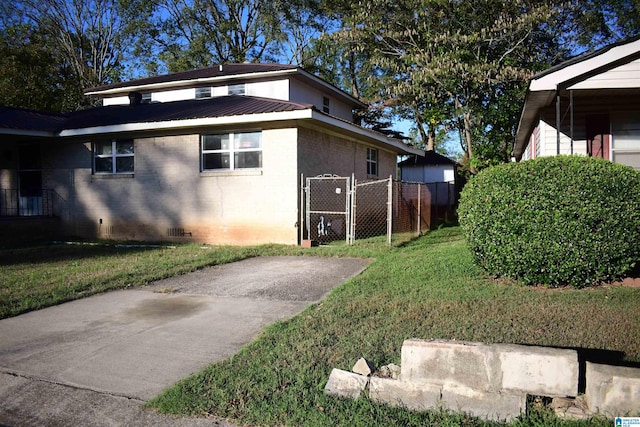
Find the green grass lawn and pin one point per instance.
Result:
(427, 288)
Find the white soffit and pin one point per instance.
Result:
(552, 80)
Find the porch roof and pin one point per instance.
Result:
(545, 86)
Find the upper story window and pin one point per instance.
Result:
(203, 92)
(115, 156)
(372, 162)
(239, 89)
(146, 98)
(231, 151)
(326, 104)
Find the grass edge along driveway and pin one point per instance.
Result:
(428, 288)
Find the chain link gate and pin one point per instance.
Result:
(341, 208)
(328, 212)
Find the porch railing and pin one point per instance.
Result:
(13, 204)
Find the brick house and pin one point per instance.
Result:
(212, 155)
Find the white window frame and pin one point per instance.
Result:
(114, 156)
(372, 162)
(231, 151)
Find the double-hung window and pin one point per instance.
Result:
(372, 162)
(231, 151)
(116, 156)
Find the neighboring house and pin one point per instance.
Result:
(589, 105)
(438, 172)
(213, 155)
(430, 167)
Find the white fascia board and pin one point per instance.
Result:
(188, 123)
(368, 133)
(552, 80)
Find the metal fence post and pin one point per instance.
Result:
(301, 216)
(419, 211)
(389, 209)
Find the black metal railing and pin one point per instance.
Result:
(36, 203)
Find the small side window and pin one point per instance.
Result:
(203, 92)
(372, 162)
(326, 104)
(238, 89)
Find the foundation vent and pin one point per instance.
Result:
(178, 232)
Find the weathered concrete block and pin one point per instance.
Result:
(613, 390)
(345, 384)
(363, 367)
(539, 371)
(467, 364)
(487, 405)
(414, 396)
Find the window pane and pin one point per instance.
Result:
(203, 92)
(215, 161)
(104, 164)
(215, 142)
(103, 148)
(629, 159)
(124, 164)
(249, 159)
(124, 147)
(247, 140)
(236, 89)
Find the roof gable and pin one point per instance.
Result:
(585, 66)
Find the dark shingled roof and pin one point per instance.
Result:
(202, 73)
(233, 105)
(18, 118)
(430, 158)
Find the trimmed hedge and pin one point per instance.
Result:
(564, 220)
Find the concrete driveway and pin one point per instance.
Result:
(95, 360)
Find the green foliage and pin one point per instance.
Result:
(554, 220)
(33, 74)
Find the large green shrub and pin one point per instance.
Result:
(554, 220)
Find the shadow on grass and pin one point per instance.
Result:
(55, 252)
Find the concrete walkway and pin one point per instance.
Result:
(95, 361)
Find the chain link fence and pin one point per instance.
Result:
(341, 208)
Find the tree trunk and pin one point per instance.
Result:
(467, 136)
